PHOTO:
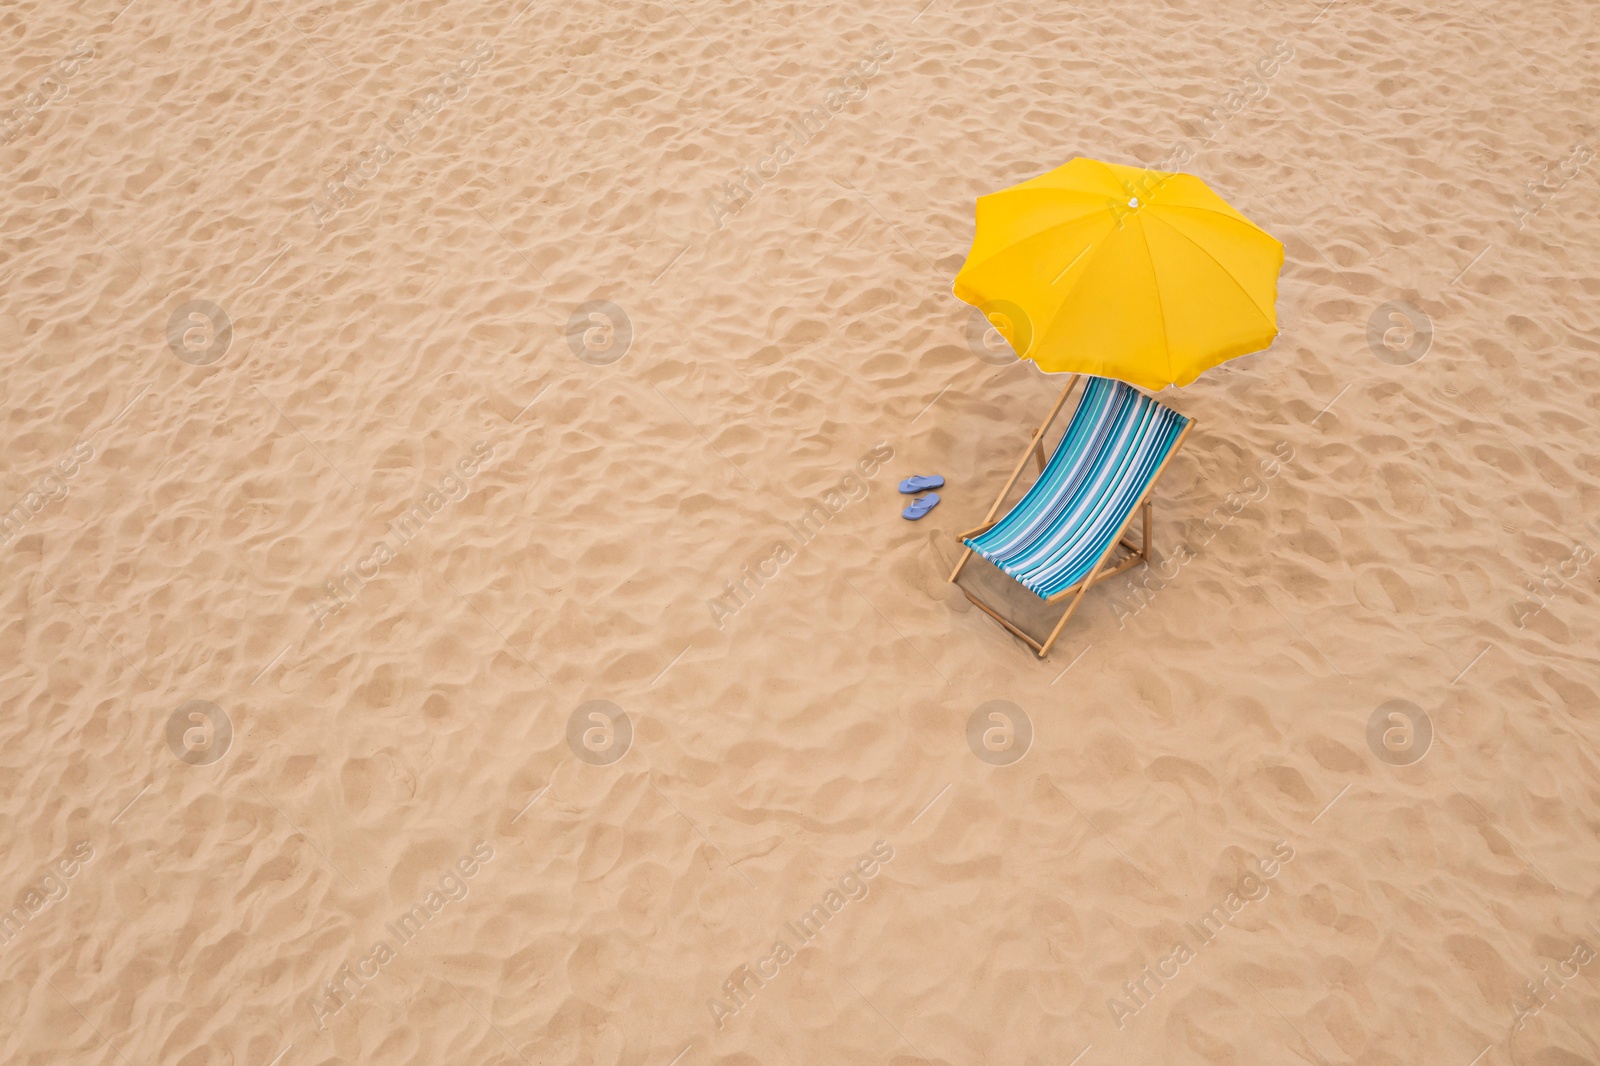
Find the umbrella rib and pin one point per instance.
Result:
(1225, 271)
(1240, 219)
(1124, 185)
(1103, 165)
(1165, 176)
(1072, 264)
(1155, 280)
(1037, 233)
(1038, 336)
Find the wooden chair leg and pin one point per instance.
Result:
(966, 553)
(1142, 505)
(992, 613)
(1056, 632)
(1036, 444)
(1144, 508)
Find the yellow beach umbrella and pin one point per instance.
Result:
(1122, 272)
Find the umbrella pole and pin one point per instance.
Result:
(1034, 445)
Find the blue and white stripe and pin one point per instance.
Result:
(1056, 533)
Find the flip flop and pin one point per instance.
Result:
(921, 483)
(920, 506)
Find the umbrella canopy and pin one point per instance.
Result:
(1122, 272)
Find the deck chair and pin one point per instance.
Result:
(1057, 540)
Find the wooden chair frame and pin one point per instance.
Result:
(1137, 553)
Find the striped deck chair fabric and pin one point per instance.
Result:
(1057, 533)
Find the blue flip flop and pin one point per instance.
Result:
(921, 506)
(921, 483)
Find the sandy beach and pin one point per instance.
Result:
(456, 609)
